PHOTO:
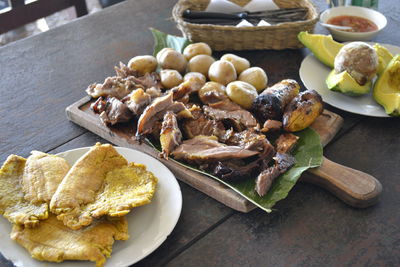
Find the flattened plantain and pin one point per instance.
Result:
(302, 111)
(13, 206)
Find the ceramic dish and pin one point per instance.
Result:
(378, 18)
(313, 74)
(149, 225)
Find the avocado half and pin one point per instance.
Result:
(344, 83)
(387, 87)
(322, 46)
(384, 57)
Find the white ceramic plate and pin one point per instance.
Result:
(149, 225)
(313, 74)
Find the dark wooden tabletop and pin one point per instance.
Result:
(43, 74)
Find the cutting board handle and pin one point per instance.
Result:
(356, 188)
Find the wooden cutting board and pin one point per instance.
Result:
(356, 188)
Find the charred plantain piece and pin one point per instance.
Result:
(302, 111)
(271, 103)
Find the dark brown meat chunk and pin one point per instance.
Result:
(170, 135)
(114, 112)
(251, 140)
(226, 110)
(207, 148)
(271, 103)
(234, 170)
(201, 125)
(286, 142)
(156, 111)
(283, 162)
(271, 125)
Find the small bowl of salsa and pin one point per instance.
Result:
(365, 23)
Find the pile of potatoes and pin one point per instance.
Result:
(231, 75)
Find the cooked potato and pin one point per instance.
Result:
(255, 76)
(195, 80)
(196, 49)
(212, 92)
(222, 72)
(162, 51)
(200, 63)
(143, 64)
(168, 58)
(302, 111)
(239, 63)
(359, 59)
(170, 78)
(241, 93)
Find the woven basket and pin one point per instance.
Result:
(280, 36)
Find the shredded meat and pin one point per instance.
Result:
(283, 162)
(233, 170)
(207, 148)
(115, 112)
(137, 101)
(201, 125)
(124, 71)
(170, 135)
(251, 140)
(156, 111)
(228, 111)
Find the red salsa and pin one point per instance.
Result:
(358, 24)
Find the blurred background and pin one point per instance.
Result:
(22, 8)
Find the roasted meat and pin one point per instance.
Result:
(251, 140)
(232, 113)
(283, 162)
(271, 126)
(207, 148)
(271, 103)
(302, 111)
(285, 143)
(124, 71)
(113, 111)
(233, 170)
(137, 101)
(170, 135)
(156, 111)
(201, 125)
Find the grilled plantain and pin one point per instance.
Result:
(302, 111)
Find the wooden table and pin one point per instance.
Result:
(42, 75)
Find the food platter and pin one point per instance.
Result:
(149, 225)
(313, 74)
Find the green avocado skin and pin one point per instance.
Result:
(323, 47)
(387, 87)
(344, 83)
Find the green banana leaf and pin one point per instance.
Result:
(308, 151)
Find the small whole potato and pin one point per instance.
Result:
(222, 72)
(171, 59)
(239, 63)
(195, 80)
(212, 92)
(170, 78)
(200, 63)
(255, 76)
(241, 93)
(196, 49)
(162, 52)
(143, 64)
